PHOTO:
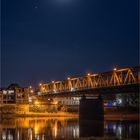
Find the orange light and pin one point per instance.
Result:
(88, 74)
(52, 81)
(36, 103)
(40, 84)
(32, 91)
(68, 78)
(115, 69)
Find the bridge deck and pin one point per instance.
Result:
(116, 81)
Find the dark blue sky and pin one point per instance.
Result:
(44, 40)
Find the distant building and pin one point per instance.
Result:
(68, 100)
(14, 94)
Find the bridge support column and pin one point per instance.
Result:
(91, 109)
(91, 117)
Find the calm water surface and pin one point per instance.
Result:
(64, 129)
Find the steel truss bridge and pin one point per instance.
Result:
(116, 81)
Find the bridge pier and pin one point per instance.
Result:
(91, 117)
(91, 109)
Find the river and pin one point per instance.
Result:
(63, 128)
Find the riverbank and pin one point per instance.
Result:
(113, 117)
(121, 117)
(60, 114)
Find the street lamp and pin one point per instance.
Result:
(31, 91)
(88, 74)
(115, 69)
(68, 78)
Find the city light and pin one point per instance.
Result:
(68, 78)
(119, 101)
(40, 84)
(30, 100)
(31, 91)
(55, 103)
(88, 74)
(54, 91)
(115, 69)
(36, 103)
(72, 89)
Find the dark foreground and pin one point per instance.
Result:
(65, 128)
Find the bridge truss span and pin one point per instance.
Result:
(115, 78)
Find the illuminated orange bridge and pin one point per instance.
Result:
(116, 81)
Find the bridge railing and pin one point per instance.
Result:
(117, 77)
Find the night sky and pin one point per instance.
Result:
(44, 40)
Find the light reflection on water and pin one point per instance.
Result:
(64, 128)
